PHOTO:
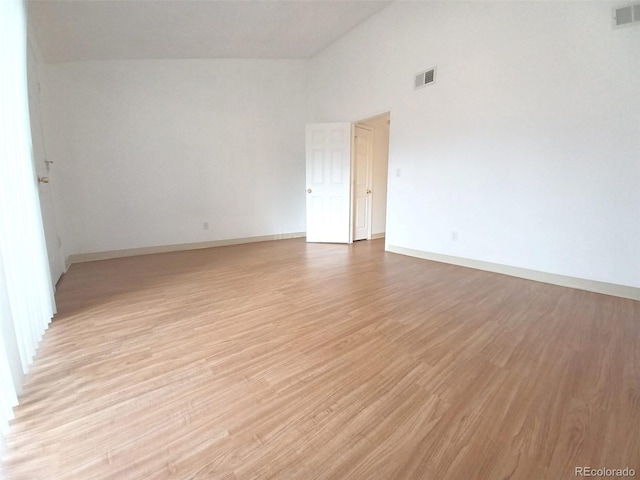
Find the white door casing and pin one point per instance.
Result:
(362, 182)
(328, 157)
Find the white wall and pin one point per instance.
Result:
(380, 162)
(148, 150)
(527, 145)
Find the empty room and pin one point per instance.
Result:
(342, 239)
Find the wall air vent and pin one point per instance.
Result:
(627, 15)
(425, 78)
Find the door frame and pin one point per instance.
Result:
(352, 206)
(369, 180)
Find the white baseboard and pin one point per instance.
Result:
(90, 257)
(375, 236)
(544, 277)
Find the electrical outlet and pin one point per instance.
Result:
(397, 172)
(205, 225)
(454, 236)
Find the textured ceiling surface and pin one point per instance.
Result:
(68, 30)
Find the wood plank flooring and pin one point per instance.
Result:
(283, 360)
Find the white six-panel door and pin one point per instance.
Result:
(362, 163)
(328, 157)
(42, 170)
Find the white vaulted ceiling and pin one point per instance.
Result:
(77, 30)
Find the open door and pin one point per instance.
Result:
(42, 170)
(362, 182)
(328, 156)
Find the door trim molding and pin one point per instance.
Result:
(545, 277)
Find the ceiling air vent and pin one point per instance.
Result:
(627, 15)
(425, 78)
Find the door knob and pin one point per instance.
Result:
(309, 190)
(368, 191)
(43, 179)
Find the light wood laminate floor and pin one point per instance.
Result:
(289, 360)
